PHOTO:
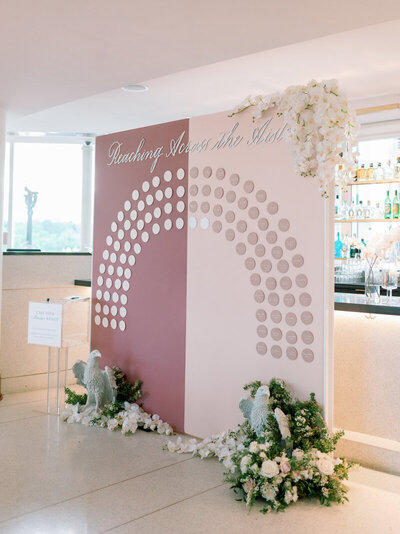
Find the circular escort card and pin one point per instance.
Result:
(194, 172)
(220, 174)
(276, 351)
(207, 171)
(234, 179)
(261, 315)
(276, 316)
(308, 355)
(291, 353)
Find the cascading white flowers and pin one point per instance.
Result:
(127, 420)
(221, 445)
(322, 129)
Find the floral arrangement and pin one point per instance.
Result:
(125, 416)
(123, 413)
(381, 242)
(322, 129)
(290, 459)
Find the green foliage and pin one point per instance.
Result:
(280, 471)
(109, 411)
(74, 398)
(252, 386)
(280, 396)
(126, 391)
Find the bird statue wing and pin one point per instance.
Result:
(246, 405)
(109, 385)
(78, 368)
(283, 423)
(111, 377)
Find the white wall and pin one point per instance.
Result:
(367, 377)
(34, 278)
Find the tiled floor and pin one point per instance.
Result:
(71, 479)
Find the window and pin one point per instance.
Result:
(43, 200)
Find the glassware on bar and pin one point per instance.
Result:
(389, 273)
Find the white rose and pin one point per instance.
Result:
(325, 464)
(268, 492)
(298, 454)
(269, 468)
(263, 446)
(244, 463)
(253, 447)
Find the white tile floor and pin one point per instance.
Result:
(71, 479)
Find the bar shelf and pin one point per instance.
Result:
(349, 221)
(374, 182)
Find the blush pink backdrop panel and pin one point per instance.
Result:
(255, 307)
(139, 266)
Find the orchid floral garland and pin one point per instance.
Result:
(127, 417)
(322, 129)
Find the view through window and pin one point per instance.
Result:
(44, 210)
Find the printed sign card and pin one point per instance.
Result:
(45, 324)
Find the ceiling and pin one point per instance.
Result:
(63, 63)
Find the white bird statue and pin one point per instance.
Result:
(256, 410)
(100, 384)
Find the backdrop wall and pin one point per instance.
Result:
(208, 265)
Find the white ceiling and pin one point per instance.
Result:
(63, 62)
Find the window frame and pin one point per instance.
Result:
(87, 193)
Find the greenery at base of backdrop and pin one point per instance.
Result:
(123, 413)
(282, 452)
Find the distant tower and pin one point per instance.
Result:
(30, 201)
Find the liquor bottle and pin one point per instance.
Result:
(367, 210)
(362, 172)
(395, 206)
(338, 247)
(351, 213)
(397, 169)
(345, 248)
(389, 171)
(337, 206)
(359, 210)
(379, 174)
(378, 212)
(388, 207)
(370, 172)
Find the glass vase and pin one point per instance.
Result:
(372, 279)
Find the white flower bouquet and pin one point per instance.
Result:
(289, 460)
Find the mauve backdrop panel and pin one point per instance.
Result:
(152, 346)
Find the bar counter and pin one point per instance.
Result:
(357, 303)
(349, 300)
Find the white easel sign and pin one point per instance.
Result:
(45, 324)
